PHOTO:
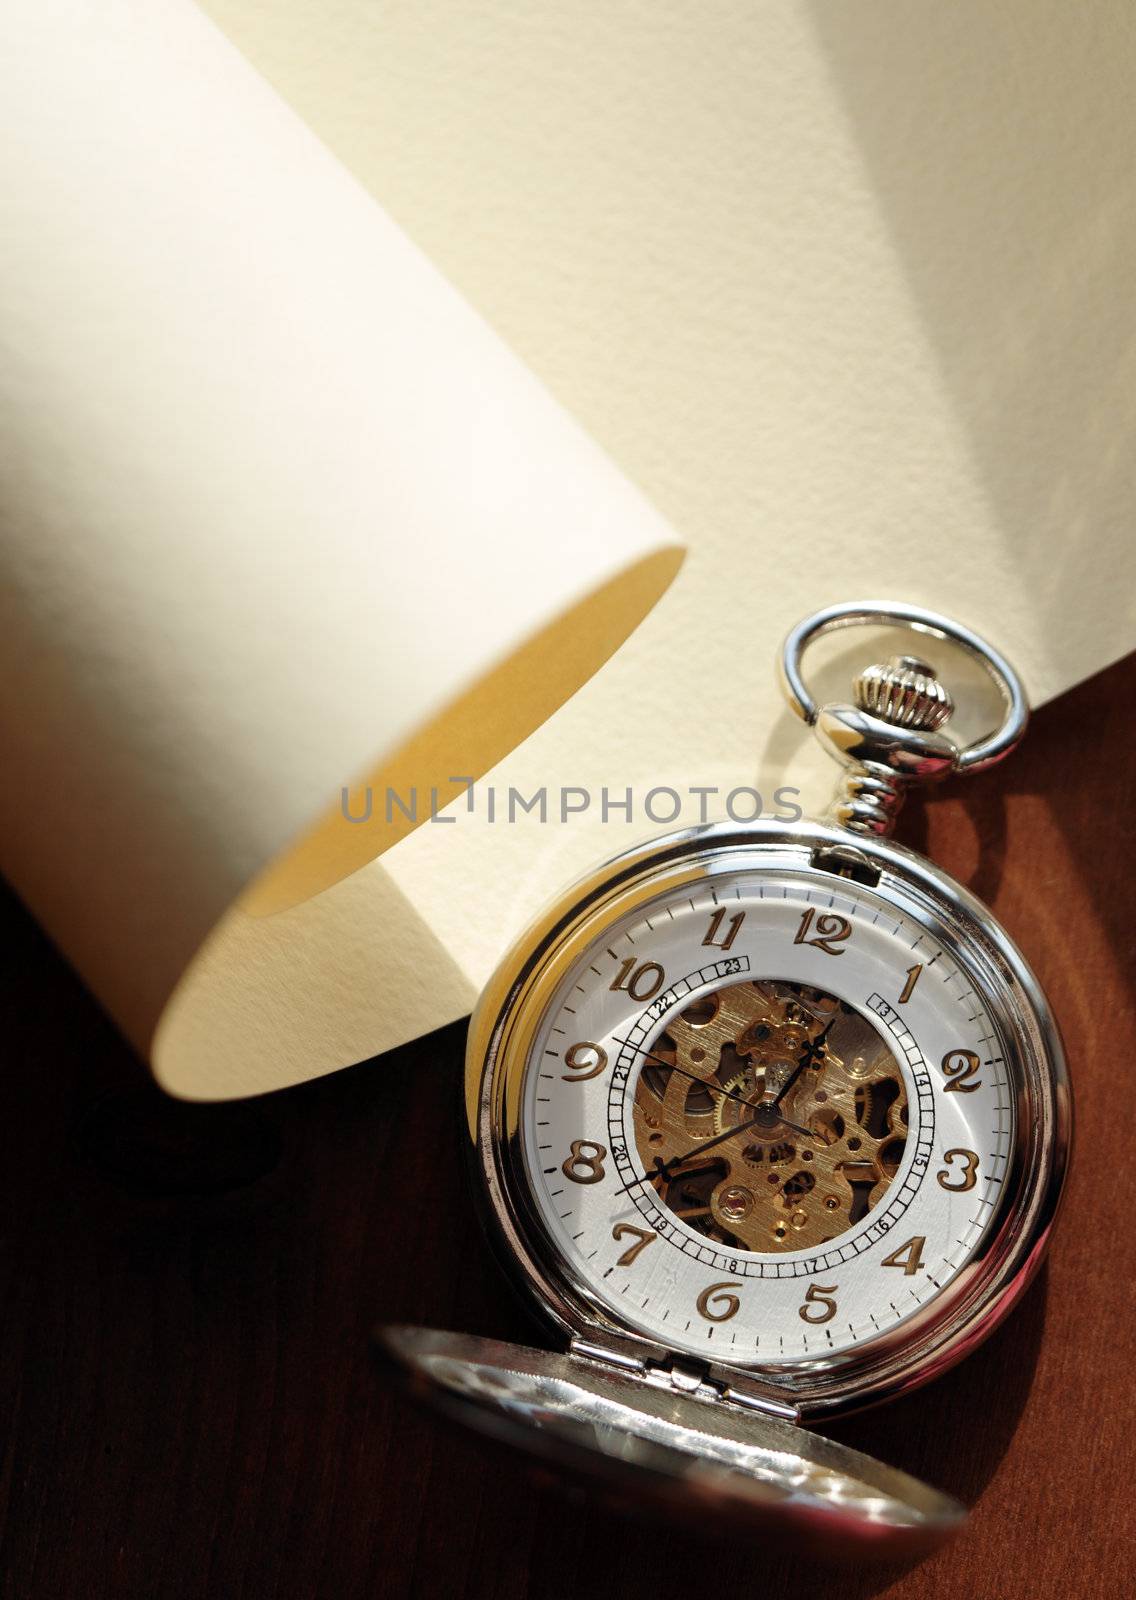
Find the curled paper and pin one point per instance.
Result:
(280, 514)
(845, 286)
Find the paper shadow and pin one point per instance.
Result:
(998, 152)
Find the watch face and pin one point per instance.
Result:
(756, 1111)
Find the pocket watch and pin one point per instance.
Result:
(770, 1122)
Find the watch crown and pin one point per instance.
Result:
(905, 692)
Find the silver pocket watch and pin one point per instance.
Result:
(770, 1123)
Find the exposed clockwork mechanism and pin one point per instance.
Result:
(794, 1107)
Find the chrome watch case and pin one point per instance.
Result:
(953, 1323)
(760, 1460)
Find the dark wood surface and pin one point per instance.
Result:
(188, 1406)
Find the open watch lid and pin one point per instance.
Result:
(650, 1442)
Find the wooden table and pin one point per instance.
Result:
(188, 1405)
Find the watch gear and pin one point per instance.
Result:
(818, 1101)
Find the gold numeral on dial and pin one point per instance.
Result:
(584, 1060)
(628, 1230)
(585, 1163)
(912, 980)
(959, 1067)
(642, 983)
(819, 1304)
(967, 1174)
(734, 925)
(717, 1303)
(829, 932)
(909, 1256)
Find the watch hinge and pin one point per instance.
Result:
(682, 1374)
(686, 1376)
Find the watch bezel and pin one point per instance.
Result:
(986, 1288)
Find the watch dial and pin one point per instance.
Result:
(768, 1117)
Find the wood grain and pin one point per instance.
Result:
(188, 1408)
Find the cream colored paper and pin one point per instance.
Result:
(844, 288)
(278, 511)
